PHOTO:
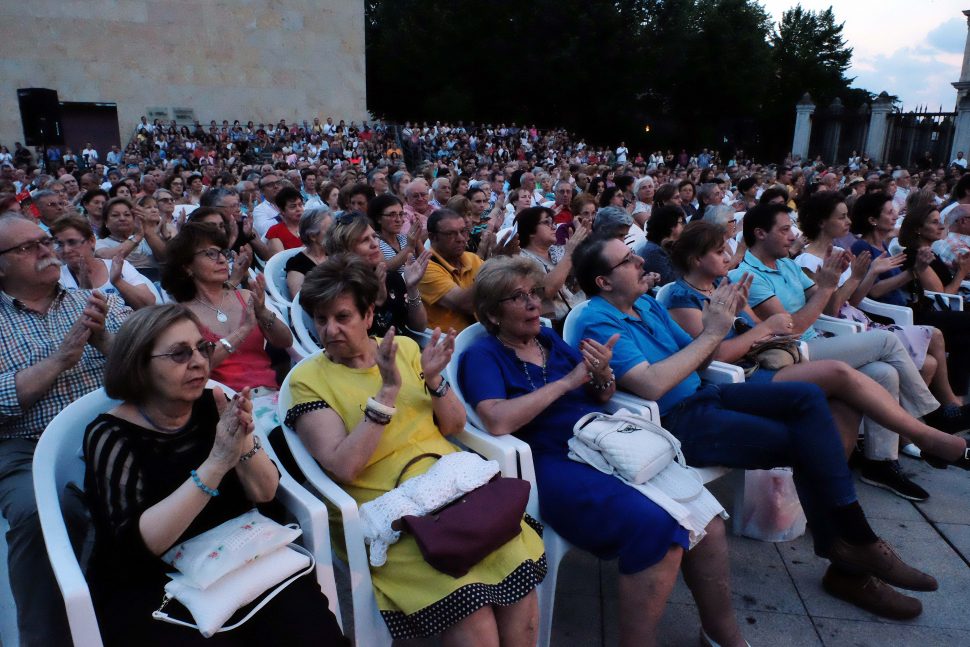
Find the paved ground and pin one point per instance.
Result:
(777, 591)
(777, 587)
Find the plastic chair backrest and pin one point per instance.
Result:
(276, 276)
(302, 325)
(662, 293)
(570, 327)
(462, 342)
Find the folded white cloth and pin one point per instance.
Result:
(676, 488)
(449, 478)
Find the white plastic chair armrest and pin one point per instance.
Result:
(955, 301)
(501, 449)
(722, 373)
(836, 326)
(623, 400)
(802, 346)
(901, 315)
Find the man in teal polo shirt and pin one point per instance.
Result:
(779, 285)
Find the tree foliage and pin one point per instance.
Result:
(699, 72)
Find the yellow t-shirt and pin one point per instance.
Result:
(440, 278)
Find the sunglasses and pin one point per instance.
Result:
(184, 353)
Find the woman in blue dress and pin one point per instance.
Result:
(523, 378)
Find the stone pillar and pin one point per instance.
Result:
(803, 127)
(878, 128)
(834, 132)
(961, 130)
(963, 85)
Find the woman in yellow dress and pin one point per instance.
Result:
(364, 408)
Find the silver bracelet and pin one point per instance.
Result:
(227, 345)
(252, 452)
(408, 301)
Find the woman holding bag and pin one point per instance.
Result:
(170, 462)
(365, 408)
(524, 379)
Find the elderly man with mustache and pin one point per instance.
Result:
(54, 349)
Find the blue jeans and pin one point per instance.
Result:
(760, 426)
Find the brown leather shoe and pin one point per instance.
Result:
(880, 560)
(871, 594)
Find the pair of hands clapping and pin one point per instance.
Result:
(434, 359)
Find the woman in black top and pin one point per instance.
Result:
(399, 303)
(170, 462)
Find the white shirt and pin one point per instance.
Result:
(265, 215)
(621, 153)
(91, 154)
(962, 162)
(128, 273)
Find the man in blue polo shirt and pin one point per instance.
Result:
(779, 285)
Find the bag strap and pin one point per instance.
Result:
(158, 614)
(412, 462)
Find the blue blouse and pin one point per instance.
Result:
(488, 370)
(896, 297)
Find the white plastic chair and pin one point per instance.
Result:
(58, 462)
(276, 276)
(370, 630)
(953, 301)
(302, 326)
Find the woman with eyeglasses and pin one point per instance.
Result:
(662, 231)
(74, 243)
(173, 460)
(399, 301)
(386, 213)
(365, 408)
(131, 232)
(537, 238)
(197, 275)
(523, 379)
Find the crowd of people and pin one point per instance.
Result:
(397, 239)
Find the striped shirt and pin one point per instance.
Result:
(30, 337)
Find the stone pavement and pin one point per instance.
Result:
(778, 595)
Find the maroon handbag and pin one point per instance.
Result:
(459, 535)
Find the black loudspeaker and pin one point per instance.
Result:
(40, 114)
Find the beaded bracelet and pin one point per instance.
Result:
(202, 486)
(602, 386)
(408, 301)
(252, 452)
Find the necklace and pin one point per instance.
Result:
(709, 290)
(169, 430)
(525, 365)
(221, 316)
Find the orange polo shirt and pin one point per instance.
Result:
(440, 278)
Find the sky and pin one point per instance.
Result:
(911, 49)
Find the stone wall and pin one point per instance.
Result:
(262, 60)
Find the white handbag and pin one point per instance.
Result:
(637, 448)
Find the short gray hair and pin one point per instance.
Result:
(706, 191)
(718, 214)
(213, 197)
(312, 222)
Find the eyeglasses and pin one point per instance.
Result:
(394, 214)
(626, 259)
(214, 254)
(184, 353)
(547, 222)
(454, 234)
(68, 244)
(30, 247)
(164, 200)
(523, 298)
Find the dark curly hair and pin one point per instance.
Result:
(180, 252)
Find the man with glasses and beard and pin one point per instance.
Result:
(55, 347)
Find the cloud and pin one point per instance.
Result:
(950, 36)
(917, 75)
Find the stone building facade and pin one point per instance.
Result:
(262, 60)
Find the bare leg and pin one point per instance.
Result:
(940, 386)
(865, 395)
(477, 630)
(847, 419)
(707, 573)
(518, 624)
(928, 370)
(643, 597)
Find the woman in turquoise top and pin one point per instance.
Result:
(702, 257)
